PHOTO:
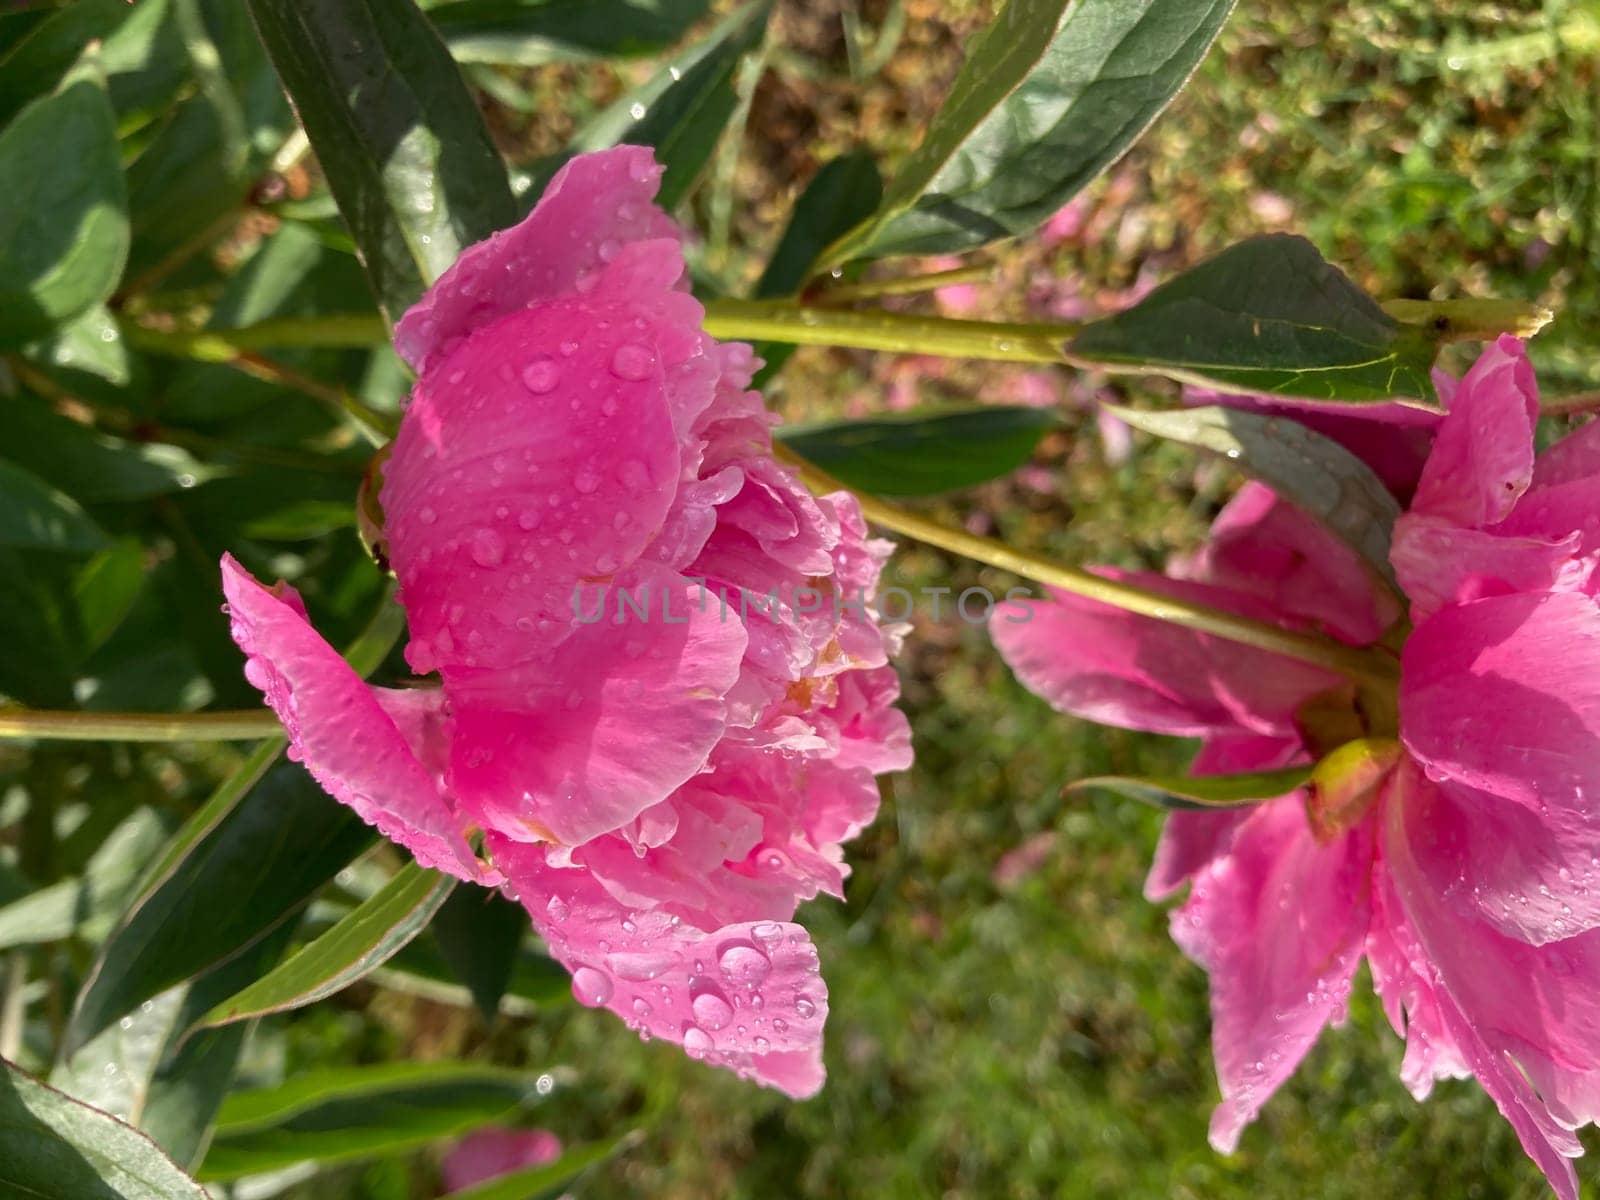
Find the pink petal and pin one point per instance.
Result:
(1574, 459)
(1105, 665)
(1263, 545)
(1279, 925)
(490, 1153)
(1438, 562)
(1525, 1019)
(574, 744)
(747, 996)
(1482, 458)
(1190, 840)
(1504, 695)
(348, 735)
(593, 206)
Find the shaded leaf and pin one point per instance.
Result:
(1022, 133)
(343, 1114)
(106, 589)
(140, 51)
(395, 129)
(33, 515)
(1267, 315)
(531, 32)
(480, 933)
(1311, 471)
(361, 942)
(53, 1147)
(64, 226)
(1200, 791)
(921, 454)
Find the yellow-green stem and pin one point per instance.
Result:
(894, 333)
(1370, 666)
(243, 725)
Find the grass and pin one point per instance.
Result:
(1009, 1017)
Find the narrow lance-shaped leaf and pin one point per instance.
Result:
(1267, 315)
(918, 454)
(1312, 472)
(344, 1114)
(532, 32)
(396, 131)
(64, 224)
(480, 933)
(1200, 791)
(358, 944)
(1044, 103)
(53, 1147)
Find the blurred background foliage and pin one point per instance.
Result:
(1009, 1018)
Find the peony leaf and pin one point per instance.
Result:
(1200, 791)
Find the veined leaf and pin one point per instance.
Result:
(53, 1147)
(1044, 103)
(64, 226)
(360, 943)
(395, 129)
(922, 454)
(531, 32)
(1267, 315)
(352, 1113)
(1200, 791)
(1312, 472)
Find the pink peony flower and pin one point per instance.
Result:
(491, 1153)
(662, 695)
(1465, 865)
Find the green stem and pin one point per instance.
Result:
(1371, 666)
(243, 725)
(894, 333)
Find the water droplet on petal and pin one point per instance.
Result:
(804, 1008)
(541, 375)
(558, 909)
(632, 361)
(711, 1009)
(587, 479)
(488, 548)
(744, 964)
(591, 987)
(697, 1042)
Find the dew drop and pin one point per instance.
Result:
(488, 548)
(804, 1008)
(558, 909)
(744, 964)
(632, 361)
(711, 1010)
(591, 987)
(697, 1042)
(587, 479)
(541, 376)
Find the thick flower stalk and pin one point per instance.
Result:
(1456, 845)
(657, 688)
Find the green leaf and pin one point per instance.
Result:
(64, 226)
(532, 32)
(549, 1180)
(1038, 111)
(106, 589)
(140, 51)
(92, 342)
(114, 1069)
(53, 1147)
(922, 454)
(685, 122)
(1267, 315)
(843, 193)
(94, 467)
(1200, 791)
(257, 867)
(86, 906)
(1310, 471)
(352, 1113)
(480, 932)
(536, 981)
(33, 515)
(360, 943)
(396, 131)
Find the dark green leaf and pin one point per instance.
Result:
(93, 467)
(480, 933)
(1312, 472)
(395, 129)
(550, 1180)
(92, 342)
(34, 515)
(996, 165)
(361, 942)
(919, 454)
(258, 866)
(54, 1148)
(143, 58)
(845, 192)
(1200, 791)
(64, 226)
(358, 1112)
(537, 981)
(531, 32)
(685, 122)
(106, 588)
(1267, 315)
(113, 1070)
